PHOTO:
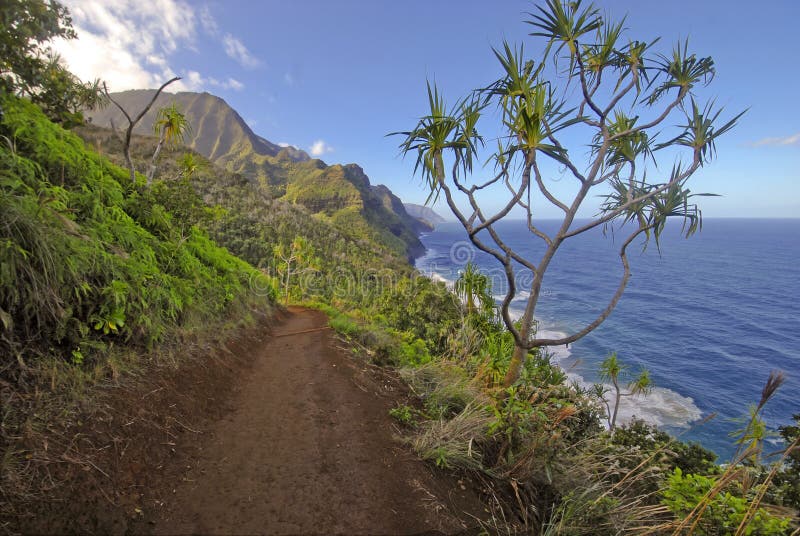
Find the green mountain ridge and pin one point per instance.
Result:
(338, 193)
(218, 131)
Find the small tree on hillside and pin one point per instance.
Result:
(475, 291)
(294, 260)
(611, 92)
(132, 122)
(171, 126)
(612, 370)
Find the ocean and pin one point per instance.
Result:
(709, 317)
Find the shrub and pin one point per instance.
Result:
(724, 511)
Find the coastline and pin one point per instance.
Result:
(664, 407)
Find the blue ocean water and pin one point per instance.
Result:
(709, 317)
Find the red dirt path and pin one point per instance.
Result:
(308, 448)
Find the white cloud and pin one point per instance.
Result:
(129, 43)
(236, 50)
(283, 144)
(208, 22)
(786, 140)
(319, 148)
(229, 83)
(289, 79)
(193, 81)
(232, 83)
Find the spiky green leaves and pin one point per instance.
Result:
(171, 125)
(563, 23)
(651, 205)
(443, 130)
(700, 132)
(683, 71)
(627, 143)
(603, 52)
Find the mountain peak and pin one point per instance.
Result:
(217, 129)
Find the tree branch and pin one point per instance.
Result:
(132, 123)
(540, 183)
(616, 212)
(611, 304)
(584, 88)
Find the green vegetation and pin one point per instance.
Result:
(98, 276)
(28, 67)
(340, 195)
(99, 268)
(787, 479)
(89, 258)
(724, 513)
(539, 444)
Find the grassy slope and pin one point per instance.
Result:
(89, 257)
(351, 255)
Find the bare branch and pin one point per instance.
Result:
(536, 342)
(505, 260)
(531, 227)
(605, 176)
(115, 131)
(587, 97)
(516, 196)
(540, 183)
(619, 96)
(654, 122)
(132, 122)
(560, 147)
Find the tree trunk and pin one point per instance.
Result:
(616, 406)
(129, 162)
(152, 171)
(520, 352)
(286, 284)
(515, 365)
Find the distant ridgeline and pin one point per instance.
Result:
(424, 214)
(341, 194)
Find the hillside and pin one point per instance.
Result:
(218, 131)
(338, 193)
(100, 278)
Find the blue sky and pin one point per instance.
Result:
(333, 78)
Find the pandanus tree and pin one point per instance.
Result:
(614, 371)
(589, 83)
(474, 289)
(171, 126)
(189, 164)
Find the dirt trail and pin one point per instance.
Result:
(308, 449)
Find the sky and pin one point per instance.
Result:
(334, 78)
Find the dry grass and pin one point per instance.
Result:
(457, 442)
